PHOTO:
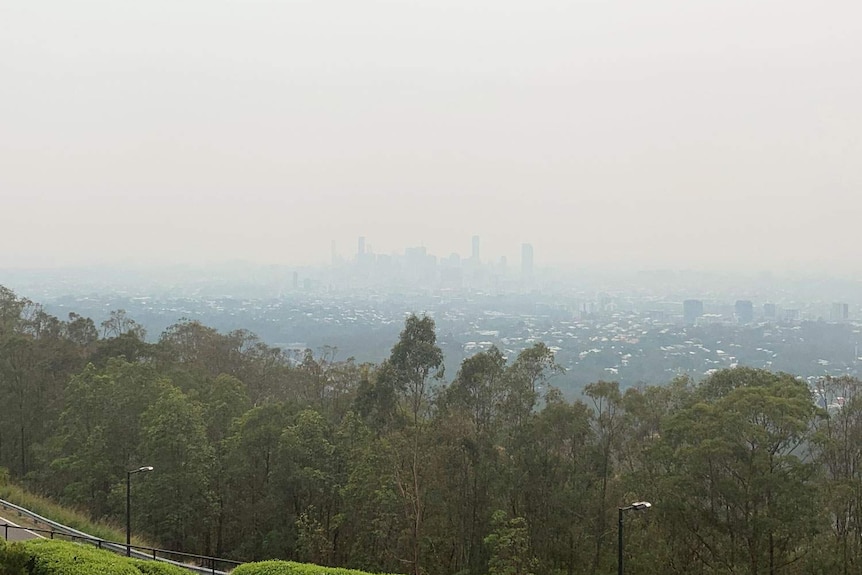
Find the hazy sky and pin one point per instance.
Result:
(687, 133)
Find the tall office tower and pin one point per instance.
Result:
(527, 261)
(360, 250)
(840, 312)
(474, 255)
(691, 310)
(333, 254)
(744, 311)
(769, 311)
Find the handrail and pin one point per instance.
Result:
(59, 528)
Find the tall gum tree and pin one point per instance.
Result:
(414, 363)
(838, 448)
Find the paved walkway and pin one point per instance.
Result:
(16, 534)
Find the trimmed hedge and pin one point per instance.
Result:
(291, 568)
(13, 558)
(64, 558)
(148, 567)
(54, 557)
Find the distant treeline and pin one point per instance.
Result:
(398, 467)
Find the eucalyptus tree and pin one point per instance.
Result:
(371, 519)
(36, 359)
(119, 323)
(838, 449)
(739, 489)
(307, 487)
(82, 332)
(469, 429)
(509, 543)
(552, 477)
(251, 503)
(178, 495)
(222, 402)
(608, 429)
(415, 362)
(99, 432)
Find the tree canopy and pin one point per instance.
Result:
(391, 468)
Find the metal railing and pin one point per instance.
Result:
(203, 564)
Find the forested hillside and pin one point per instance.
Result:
(400, 467)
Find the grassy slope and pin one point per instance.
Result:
(69, 517)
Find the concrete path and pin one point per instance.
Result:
(16, 534)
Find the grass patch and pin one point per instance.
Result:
(65, 516)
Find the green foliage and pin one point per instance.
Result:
(261, 454)
(14, 558)
(157, 568)
(510, 546)
(54, 557)
(291, 568)
(174, 441)
(81, 521)
(64, 558)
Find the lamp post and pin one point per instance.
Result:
(637, 506)
(129, 506)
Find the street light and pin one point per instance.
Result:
(636, 506)
(129, 505)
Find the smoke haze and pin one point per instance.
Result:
(682, 134)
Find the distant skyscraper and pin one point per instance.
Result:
(769, 311)
(360, 249)
(840, 312)
(691, 310)
(790, 314)
(527, 261)
(474, 255)
(744, 311)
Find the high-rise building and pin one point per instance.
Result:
(474, 254)
(790, 314)
(360, 249)
(769, 311)
(840, 312)
(744, 311)
(691, 310)
(527, 261)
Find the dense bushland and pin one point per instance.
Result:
(400, 468)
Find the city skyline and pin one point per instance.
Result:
(623, 134)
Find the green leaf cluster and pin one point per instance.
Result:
(291, 568)
(14, 558)
(263, 454)
(52, 557)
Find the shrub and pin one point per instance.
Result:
(13, 558)
(291, 568)
(148, 567)
(66, 558)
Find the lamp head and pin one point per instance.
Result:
(638, 505)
